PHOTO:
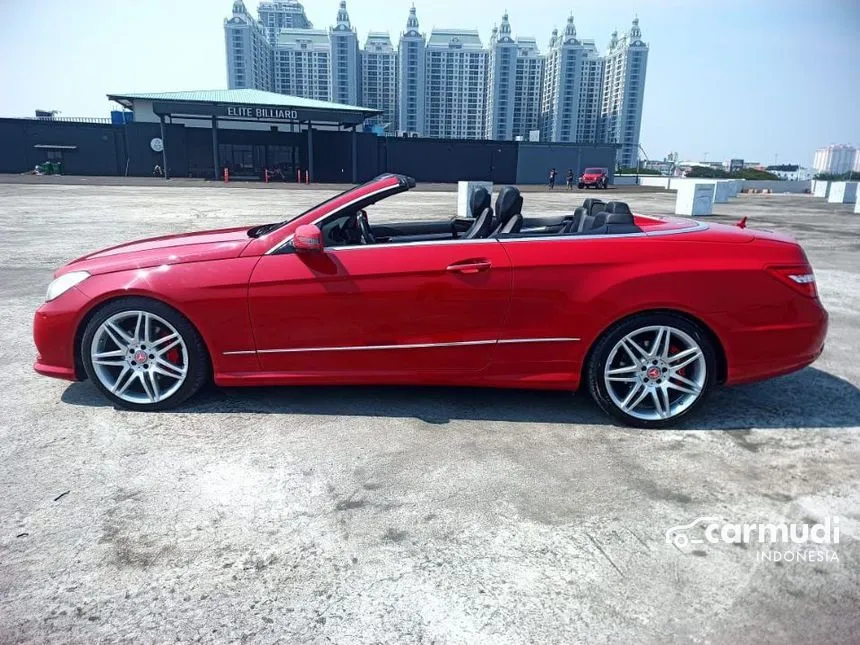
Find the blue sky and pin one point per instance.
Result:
(757, 79)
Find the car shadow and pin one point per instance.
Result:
(810, 398)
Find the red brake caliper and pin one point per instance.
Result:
(672, 351)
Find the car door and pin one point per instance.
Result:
(380, 308)
(558, 301)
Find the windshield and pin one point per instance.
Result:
(265, 229)
(593, 171)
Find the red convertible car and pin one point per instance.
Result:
(646, 313)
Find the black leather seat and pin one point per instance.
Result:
(594, 206)
(479, 206)
(480, 201)
(618, 207)
(572, 225)
(482, 226)
(509, 206)
(613, 224)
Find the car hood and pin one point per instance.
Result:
(169, 249)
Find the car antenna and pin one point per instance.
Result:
(743, 222)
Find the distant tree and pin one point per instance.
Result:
(851, 175)
(752, 173)
(706, 172)
(633, 171)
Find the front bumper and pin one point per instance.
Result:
(54, 327)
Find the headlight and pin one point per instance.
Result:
(65, 282)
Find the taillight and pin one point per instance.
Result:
(799, 276)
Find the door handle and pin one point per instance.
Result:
(470, 266)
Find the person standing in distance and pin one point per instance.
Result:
(570, 179)
(552, 174)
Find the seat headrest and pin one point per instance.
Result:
(508, 203)
(593, 205)
(599, 219)
(479, 201)
(620, 218)
(582, 211)
(617, 207)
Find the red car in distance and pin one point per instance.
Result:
(646, 313)
(594, 178)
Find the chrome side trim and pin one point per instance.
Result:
(506, 341)
(358, 348)
(461, 242)
(249, 351)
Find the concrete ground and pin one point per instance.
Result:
(370, 515)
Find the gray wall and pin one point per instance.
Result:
(778, 186)
(535, 160)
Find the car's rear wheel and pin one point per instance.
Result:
(143, 355)
(580, 186)
(652, 370)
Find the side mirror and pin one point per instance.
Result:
(308, 239)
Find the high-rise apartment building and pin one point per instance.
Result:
(836, 159)
(303, 63)
(345, 76)
(249, 54)
(514, 72)
(527, 88)
(501, 83)
(456, 85)
(566, 85)
(379, 78)
(411, 77)
(282, 14)
(623, 92)
(450, 85)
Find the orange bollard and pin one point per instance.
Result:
(226, 175)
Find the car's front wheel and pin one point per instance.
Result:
(652, 370)
(143, 355)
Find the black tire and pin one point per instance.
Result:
(580, 186)
(198, 368)
(602, 349)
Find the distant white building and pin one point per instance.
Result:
(456, 87)
(379, 78)
(569, 86)
(411, 77)
(514, 75)
(836, 159)
(302, 64)
(345, 77)
(249, 53)
(623, 93)
(801, 174)
(282, 14)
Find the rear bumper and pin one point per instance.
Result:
(54, 327)
(766, 351)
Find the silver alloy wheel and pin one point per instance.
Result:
(655, 373)
(139, 357)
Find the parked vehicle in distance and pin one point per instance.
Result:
(646, 313)
(594, 178)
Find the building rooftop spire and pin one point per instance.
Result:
(570, 29)
(343, 15)
(635, 32)
(412, 21)
(505, 29)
